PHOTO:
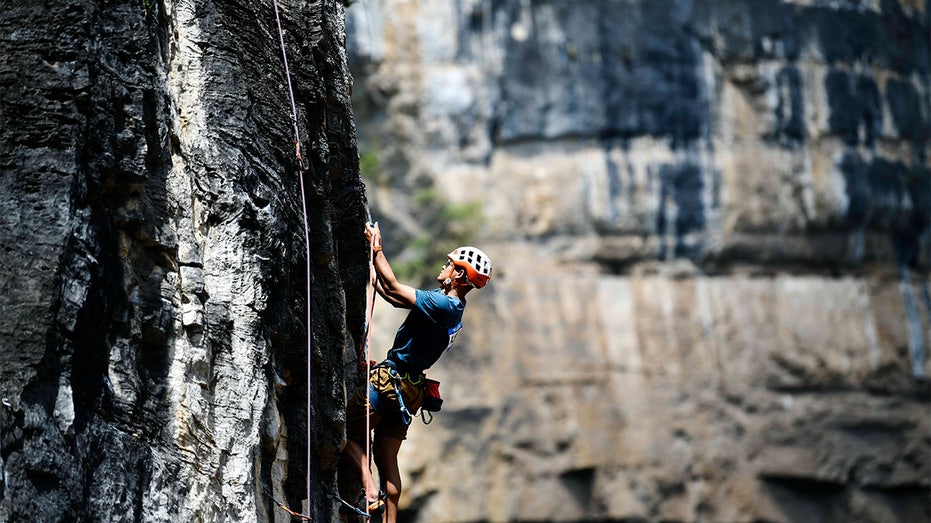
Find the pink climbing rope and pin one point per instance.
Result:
(370, 312)
(300, 161)
(287, 73)
(370, 295)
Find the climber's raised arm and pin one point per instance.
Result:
(388, 287)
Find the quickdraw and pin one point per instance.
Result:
(284, 507)
(353, 509)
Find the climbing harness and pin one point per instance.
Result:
(432, 401)
(303, 171)
(395, 378)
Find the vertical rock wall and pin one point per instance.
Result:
(711, 225)
(152, 337)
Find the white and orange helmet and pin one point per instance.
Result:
(476, 263)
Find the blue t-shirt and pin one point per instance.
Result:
(430, 328)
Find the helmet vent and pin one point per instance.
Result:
(476, 263)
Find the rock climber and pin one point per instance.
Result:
(428, 331)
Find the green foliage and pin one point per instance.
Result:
(370, 167)
(448, 225)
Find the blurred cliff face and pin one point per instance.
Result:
(685, 124)
(726, 209)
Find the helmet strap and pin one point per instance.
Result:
(461, 280)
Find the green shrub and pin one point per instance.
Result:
(447, 226)
(369, 167)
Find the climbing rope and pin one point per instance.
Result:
(287, 72)
(303, 170)
(370, 312)
(370, 298)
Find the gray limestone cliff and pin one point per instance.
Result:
(710, 226)
(153, 345)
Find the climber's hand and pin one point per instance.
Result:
(373, 234)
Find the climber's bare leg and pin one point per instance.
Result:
(386, 458)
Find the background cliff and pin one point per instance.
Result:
(710, 227)
(152, 297)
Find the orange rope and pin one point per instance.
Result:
(282, 506)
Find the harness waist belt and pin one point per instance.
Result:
(414, 377)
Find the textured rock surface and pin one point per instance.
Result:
(152, 298)
(710, 222)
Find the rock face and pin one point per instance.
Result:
(154, 349)
(711, 224)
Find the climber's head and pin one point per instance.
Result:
(475, 264)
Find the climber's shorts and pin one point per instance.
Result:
(391, 422)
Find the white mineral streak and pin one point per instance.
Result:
(64, 406)
(218, 388)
